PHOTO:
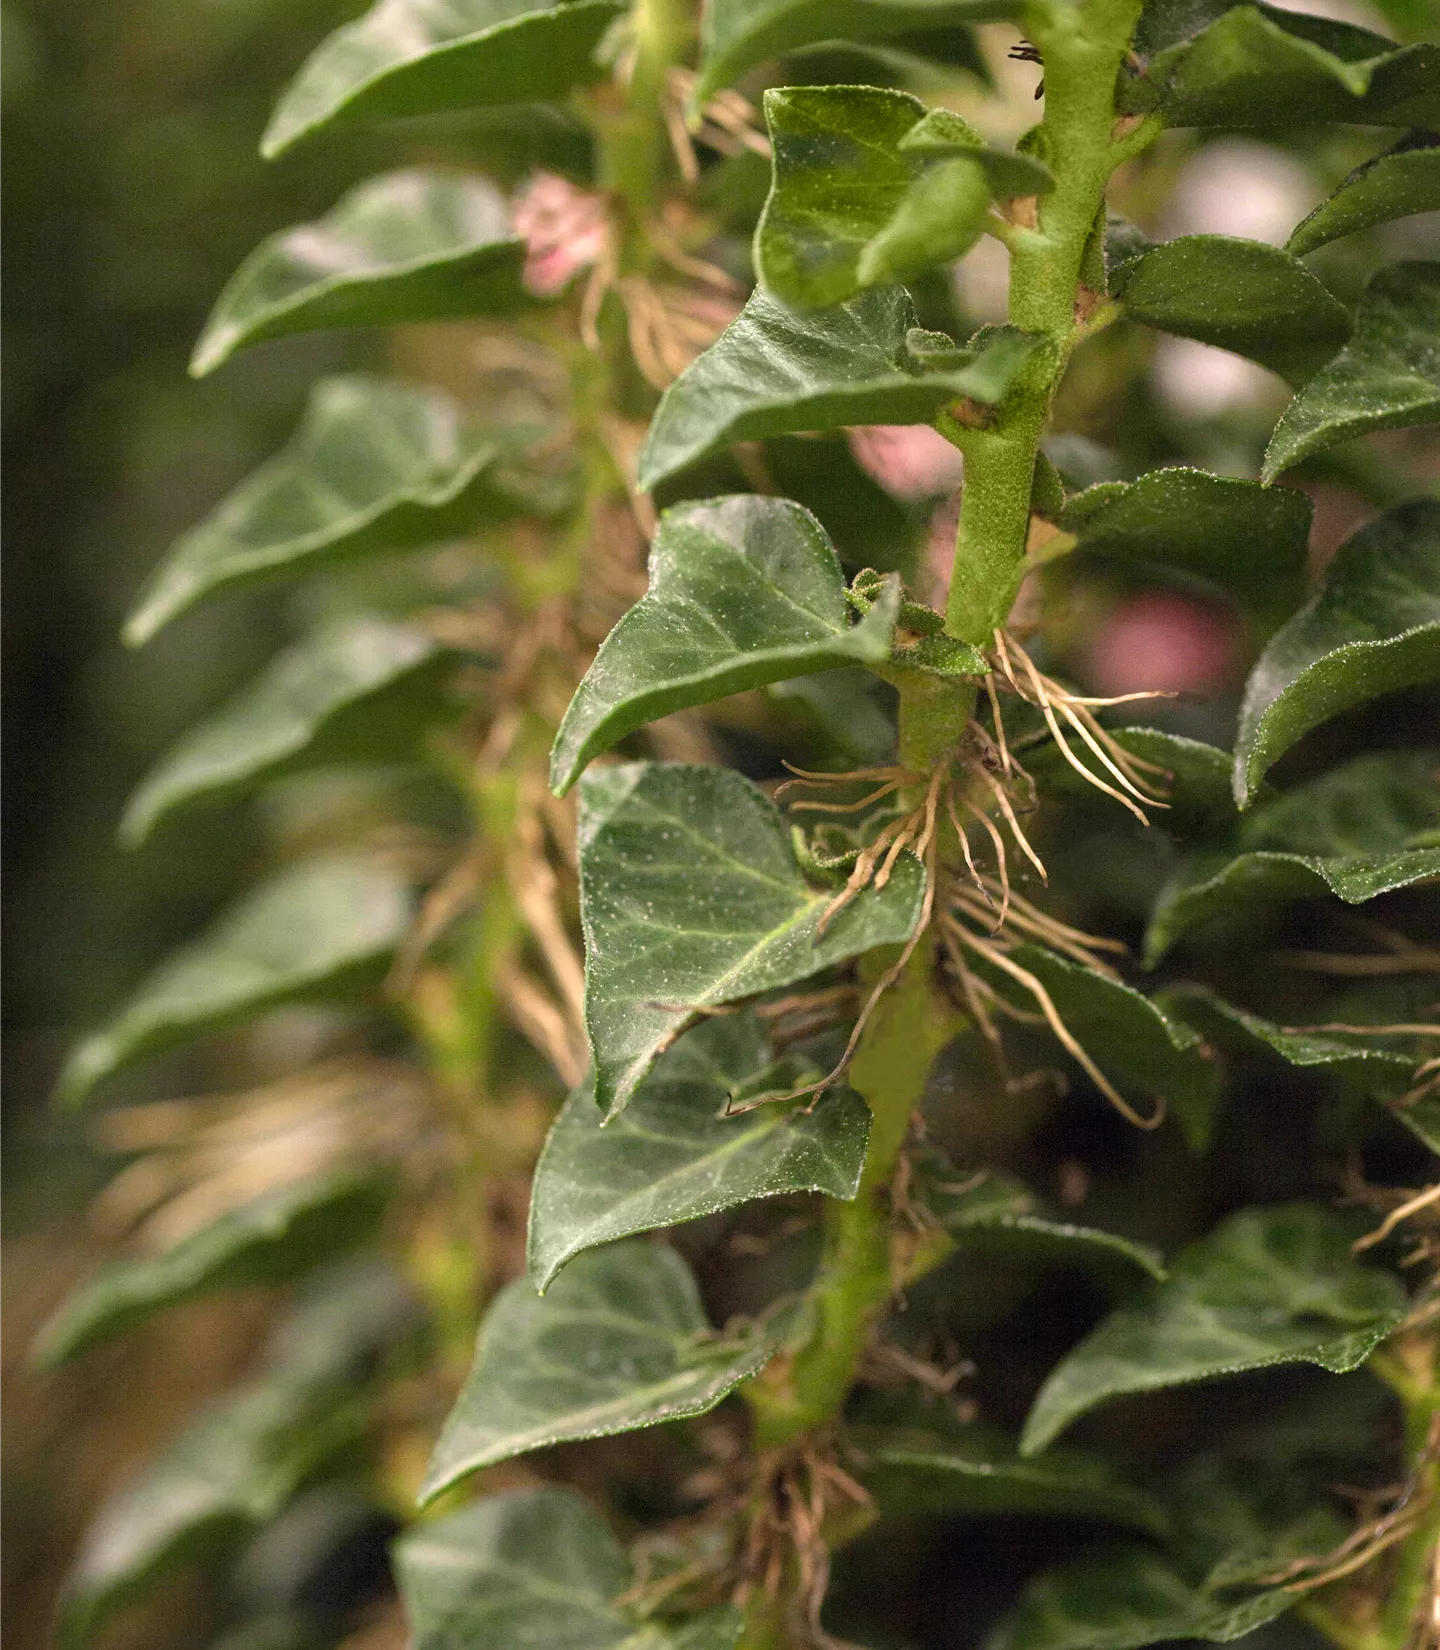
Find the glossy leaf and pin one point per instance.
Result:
(1372, 626)
(357, 688)
(1362, 830)
(274, 1237)
(1248, 539)
(232, 1470)
(673, 1156)
(1388, 378)
(775, 371)
(743, 591)
(928, 1459)
(532, 1567)
(375, 466)
(408, 246)
(324, 927)
(691, 896)
(1403, 181)
(1269, 1286)
(1239, 295)
(1261, 65)
(620, 1342)
(735, 35)
(870, 188)
(423, 57)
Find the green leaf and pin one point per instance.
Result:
(358, 688)
(375, 466)
(997, 1215)
(1249, 540)
(620, 1342)
(735, 35)
(532, 1567)
(1388, 378)
(1239, 295)
(1372, 626)
(1401, 182)
(232, 1470)
(1124, 1596)
(1261, 65)
(926, 1458)
(691, 896)
(775, 371)
(1269, 1286)
(869, 188)
(324, 927)
(743, 591)
(423, 57)
(272, 1238)
(673, 1156)
(409, 246)
(1363, 829)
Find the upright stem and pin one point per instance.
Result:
(635, 143)
(1084, 47)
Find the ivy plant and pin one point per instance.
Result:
(982, 1131)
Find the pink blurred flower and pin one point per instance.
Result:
(564, 228)
(910, 461)
(1161, 641)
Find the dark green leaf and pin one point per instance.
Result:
(1243, 296)
(1248, 539)
(357, 688)
(1363, 829)
(870, 188)
(690, 897)
(1259, 65)
(620, 1342)
(774, 371)
(1388, 378)
(271, 1239)
(1373, 626)
(422, 57)
(533, 1567)
(375, 466)
(324, 927)
(1402, 181)
(743, 591)
(929, 1459)
(673, 1156)
(408, 246)
(735, 35)
(1195, 779)
(1269, 1286)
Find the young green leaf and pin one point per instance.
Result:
(1248, 539)
(1372, 626)
(274, 1237)
(375, 466)
(532, 1567)
(1269, 1286)
(743, 591)
(690, 897)
(1387, 378)
(409, 246)
(1402, 181)
(1295, 68)
(324, 927)
(1239, 295)
(358, 688)
(620, 1342)
(672, 1155)
(735, 35)
(774, 371)
(423, 57)
(1364, 829)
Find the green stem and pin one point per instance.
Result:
(1407, 1366)
(635, 143)
(1084, 47)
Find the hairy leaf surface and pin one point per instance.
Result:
(1402, 181)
